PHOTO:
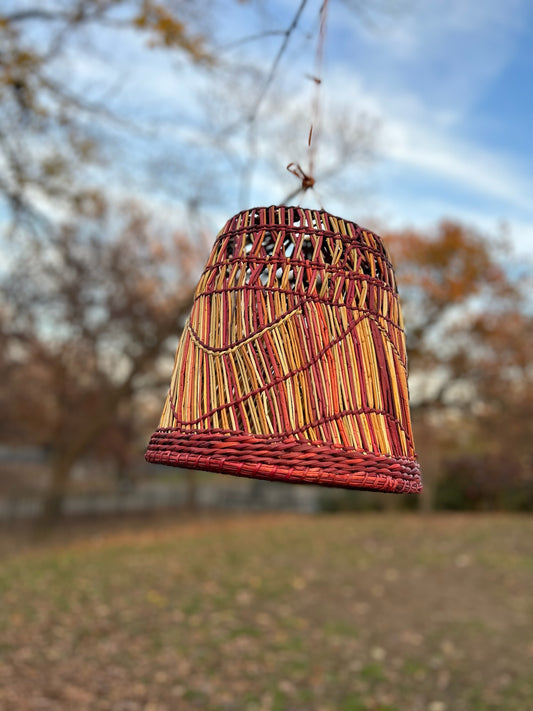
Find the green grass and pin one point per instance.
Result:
(333, 613)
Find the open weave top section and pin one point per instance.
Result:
(298, 256)
(304, 251)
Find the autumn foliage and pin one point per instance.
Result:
(88, 318)
(468, 323)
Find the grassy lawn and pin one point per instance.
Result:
(275, 613)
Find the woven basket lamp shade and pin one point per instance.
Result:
(292, 364)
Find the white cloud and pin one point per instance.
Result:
(423, 141)
(474, 168)
(447, 50)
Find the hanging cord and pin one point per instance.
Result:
(307, 178)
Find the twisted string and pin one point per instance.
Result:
(307, 180)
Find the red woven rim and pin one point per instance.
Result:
(280, 459)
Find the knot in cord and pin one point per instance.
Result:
(307, 180)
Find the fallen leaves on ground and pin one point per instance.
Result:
(288, 613)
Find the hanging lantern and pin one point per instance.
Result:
(292, 364)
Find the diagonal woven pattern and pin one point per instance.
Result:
(292, 365)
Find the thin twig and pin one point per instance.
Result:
(246, 172)
(251, 38)
(272, 73)
(36, 14)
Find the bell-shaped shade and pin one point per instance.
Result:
(292, 364)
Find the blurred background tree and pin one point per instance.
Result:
(93, 290)
(89, 318)
(53, 125)
(103, 224)
(466, 305)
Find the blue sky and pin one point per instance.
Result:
(451, 83)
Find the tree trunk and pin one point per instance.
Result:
(52, 505)
(62, 460)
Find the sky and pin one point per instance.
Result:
(452, 82)
(447, 85)
(444, 85)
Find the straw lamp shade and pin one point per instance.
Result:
(292, 364)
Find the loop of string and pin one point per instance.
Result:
(307, 178)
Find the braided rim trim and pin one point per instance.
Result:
(283, 460)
